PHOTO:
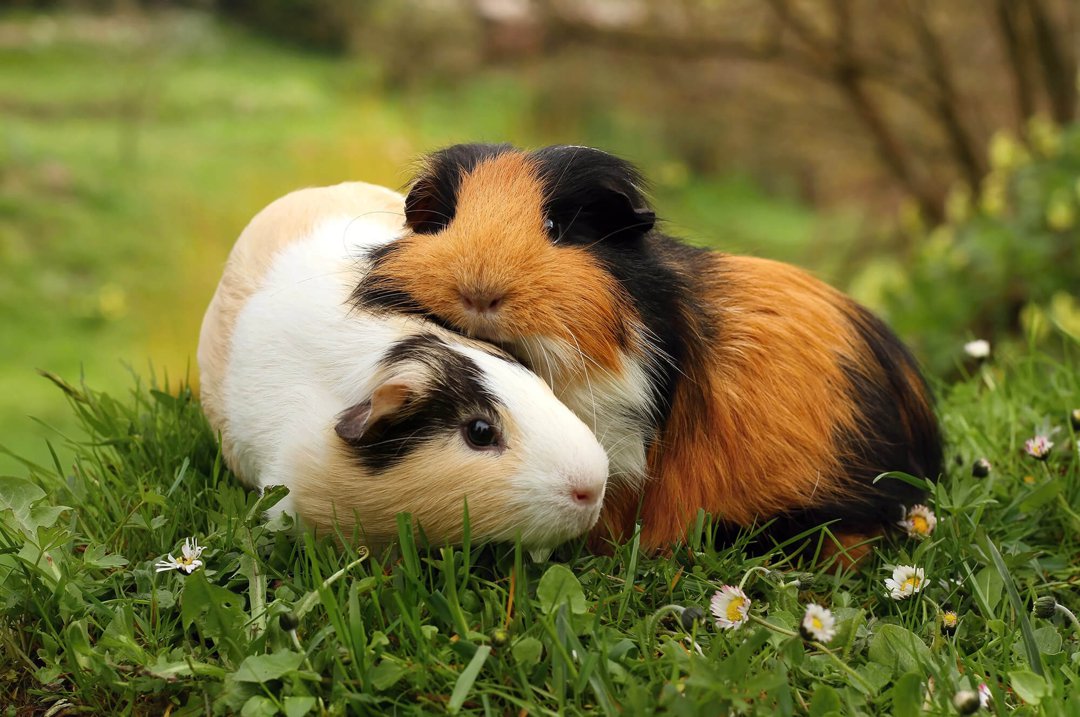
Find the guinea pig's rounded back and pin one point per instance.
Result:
(283, 222)
(443, 425)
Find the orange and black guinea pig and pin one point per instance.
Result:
(739, 385)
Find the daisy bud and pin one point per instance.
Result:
(949, 621)
(288, 621)
(691, 616)
(980, 468)
(499, 637)
(1074, 419)
(805, 580)
(966, 702)
(1045, 607)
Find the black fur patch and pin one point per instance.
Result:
(596, 201)
(898, 432)
(432, 200)
(456, 394)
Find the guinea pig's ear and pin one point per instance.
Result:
(427, 210)
(388, 400)
(590, 187)
(618, 213)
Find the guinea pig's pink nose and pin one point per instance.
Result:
(482, 302)
(585, 493)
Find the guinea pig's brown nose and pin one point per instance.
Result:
(482, 302)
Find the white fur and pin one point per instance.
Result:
(616, 406)
(301, 354)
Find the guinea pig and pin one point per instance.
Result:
(737, 385)
(363, 416)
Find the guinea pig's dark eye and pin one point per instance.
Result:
(480, 434)
(552, 229)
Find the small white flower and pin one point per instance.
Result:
(906, 580)
(985, 696)
(1038, 447)
(818, 623)
(919, 522)
(187, 563)
(978, 349)
(731, 607)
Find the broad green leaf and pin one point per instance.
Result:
(218, 612)
(1048, 639)
(907, 694)
(298, 706)
(559, 586)
(875, 675)
(466, 679)
(95, 557)
(19, 495)
(263, 668)
(825, 700)
(259, 706)
(386, 674)
(1030, 687)
(527, 651)
(898, 648)
(989, 586)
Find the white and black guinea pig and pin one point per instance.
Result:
(363, 415)
(737, 385)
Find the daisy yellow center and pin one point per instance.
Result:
(734, 609)
(912, 582)
(919, 524)
(816, 623)
(950, 619)
(185, 560)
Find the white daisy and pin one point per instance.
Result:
(906, 580)
(187, 563)
(818, 623)
(919, 522)
(731, 607)
(1038, 447)
(985, 696)
(978, 349)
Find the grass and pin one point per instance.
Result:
(134, 148)
(279, 622)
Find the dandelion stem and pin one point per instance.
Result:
(746, 575)
(774, 627)
(1069, 614)
(655, 619)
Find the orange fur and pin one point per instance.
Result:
(541, 282)
(739, 442)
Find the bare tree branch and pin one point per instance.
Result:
(1058, 63)
(1016, 50)
(946, 100)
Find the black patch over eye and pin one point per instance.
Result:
(480, 434)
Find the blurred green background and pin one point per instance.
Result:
(922, 156)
